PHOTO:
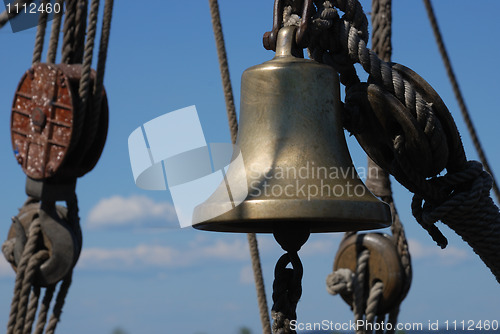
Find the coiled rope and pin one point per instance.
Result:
(426, 141)
(365, 303)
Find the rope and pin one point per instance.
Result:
(101, 66)
(427, 143)
(40, 34)
(233, 127)
(84, 87)
(44, 309)
(29, 250)
(85, 78)
(69, 31)
(365, 303)
(80, 26)
(54, 34)
(287, 291)
(224, 69)
(27, 291)
(379, 182)
(360, 278)
(61, 297)
(30, 317)
(29, 277)
(458, 95)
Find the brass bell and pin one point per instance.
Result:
(296, 163)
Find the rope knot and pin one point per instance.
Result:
(340, 281)
(463, 193)
(325, 16)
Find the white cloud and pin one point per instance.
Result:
(160, 256)
(448, 256)
(324, 244)
(134, 210)
(5, 268)
(246, 275)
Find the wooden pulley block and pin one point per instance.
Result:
(62, 238)
(48, 126)
(383, 265)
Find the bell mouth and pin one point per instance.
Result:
(321, 215)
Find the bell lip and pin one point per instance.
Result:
(322, 216)
(267, 226)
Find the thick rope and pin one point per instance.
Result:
(40, 34)
(360, 278)
(69, 32)
(464, 189)
(85, 78)
(233, 127)
(30, 316)
(29, 277)
(54, 34)
(378, 181)
(29, 250)
(224, 69)
(80, 27)
(287, 290)
(84, 86)
(61, 297)
(372, 301)
(101, 66)
(458, 94)
(44, 309)
(365, 303)
(27, 292)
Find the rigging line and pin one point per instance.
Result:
(458, 94)
(79, 33)
(54, 34)
(68, 29)
(379, 182)
(233, 126)
(40, 34)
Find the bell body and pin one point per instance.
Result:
(296, 161)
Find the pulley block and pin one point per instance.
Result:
(51, 136)
(384, 265)
(62, 237)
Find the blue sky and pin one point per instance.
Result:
(138, 272)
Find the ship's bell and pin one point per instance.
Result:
(296, 163)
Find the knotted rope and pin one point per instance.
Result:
(287, 290)
(365, 302)
(405, 127)
(378, 182)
